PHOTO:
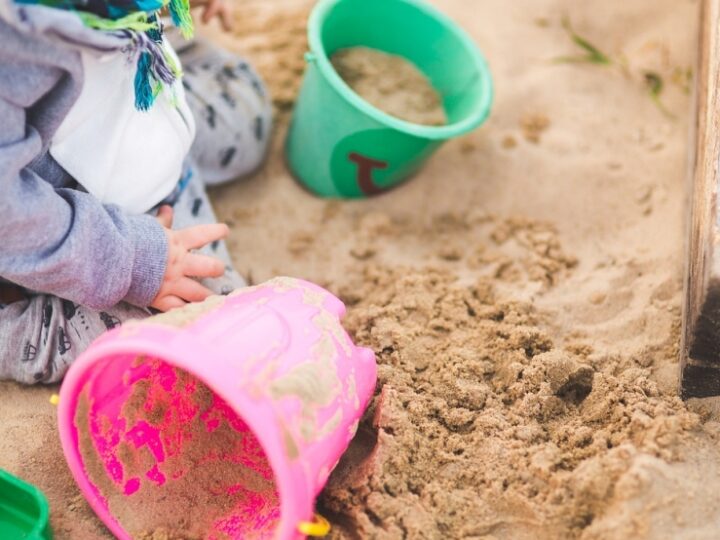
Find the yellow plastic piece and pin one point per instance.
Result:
(317, 529)
(54, 399)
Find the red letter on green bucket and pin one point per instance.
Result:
(364, 173)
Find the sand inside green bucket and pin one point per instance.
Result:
(391, 83)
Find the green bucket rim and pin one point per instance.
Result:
(41, 528)
(470, 122)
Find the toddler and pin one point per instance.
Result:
(103, 168)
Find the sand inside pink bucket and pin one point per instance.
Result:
(216, 482)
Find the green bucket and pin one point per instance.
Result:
(338, 144)
(24, 512)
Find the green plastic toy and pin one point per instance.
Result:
(341, 146)
(24, 510)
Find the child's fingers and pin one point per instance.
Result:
(166, 303)
(202, 266)
(202, 235)
(165, 216)
(190, 290)
(211, 10)
(207, 15)
(226, 18)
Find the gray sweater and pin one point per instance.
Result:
(54, 237)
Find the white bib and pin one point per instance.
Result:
(120, 155)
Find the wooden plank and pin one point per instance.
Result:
(700, 341)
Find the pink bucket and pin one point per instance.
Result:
(222, 420)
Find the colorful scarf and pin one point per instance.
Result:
(139, 21)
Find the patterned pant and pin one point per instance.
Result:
(40, 334)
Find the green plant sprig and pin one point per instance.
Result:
(593, 54)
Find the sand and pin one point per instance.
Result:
(390, 83)
(522, 294)
(203, 482)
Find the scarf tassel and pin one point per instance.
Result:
(144, 95)
(154, 71)
(138, 20)
(180, 13)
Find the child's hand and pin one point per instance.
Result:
(215, 8)
(178, 287)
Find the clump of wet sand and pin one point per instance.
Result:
(481, 417)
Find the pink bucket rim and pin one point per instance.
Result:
(137, 344)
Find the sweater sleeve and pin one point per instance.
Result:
(63, 241)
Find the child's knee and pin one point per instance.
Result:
(250, 128)
(232, 110)
(234, 126)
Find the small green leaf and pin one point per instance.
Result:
(654, 83)
(593, 56)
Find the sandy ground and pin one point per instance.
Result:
(522, 294)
